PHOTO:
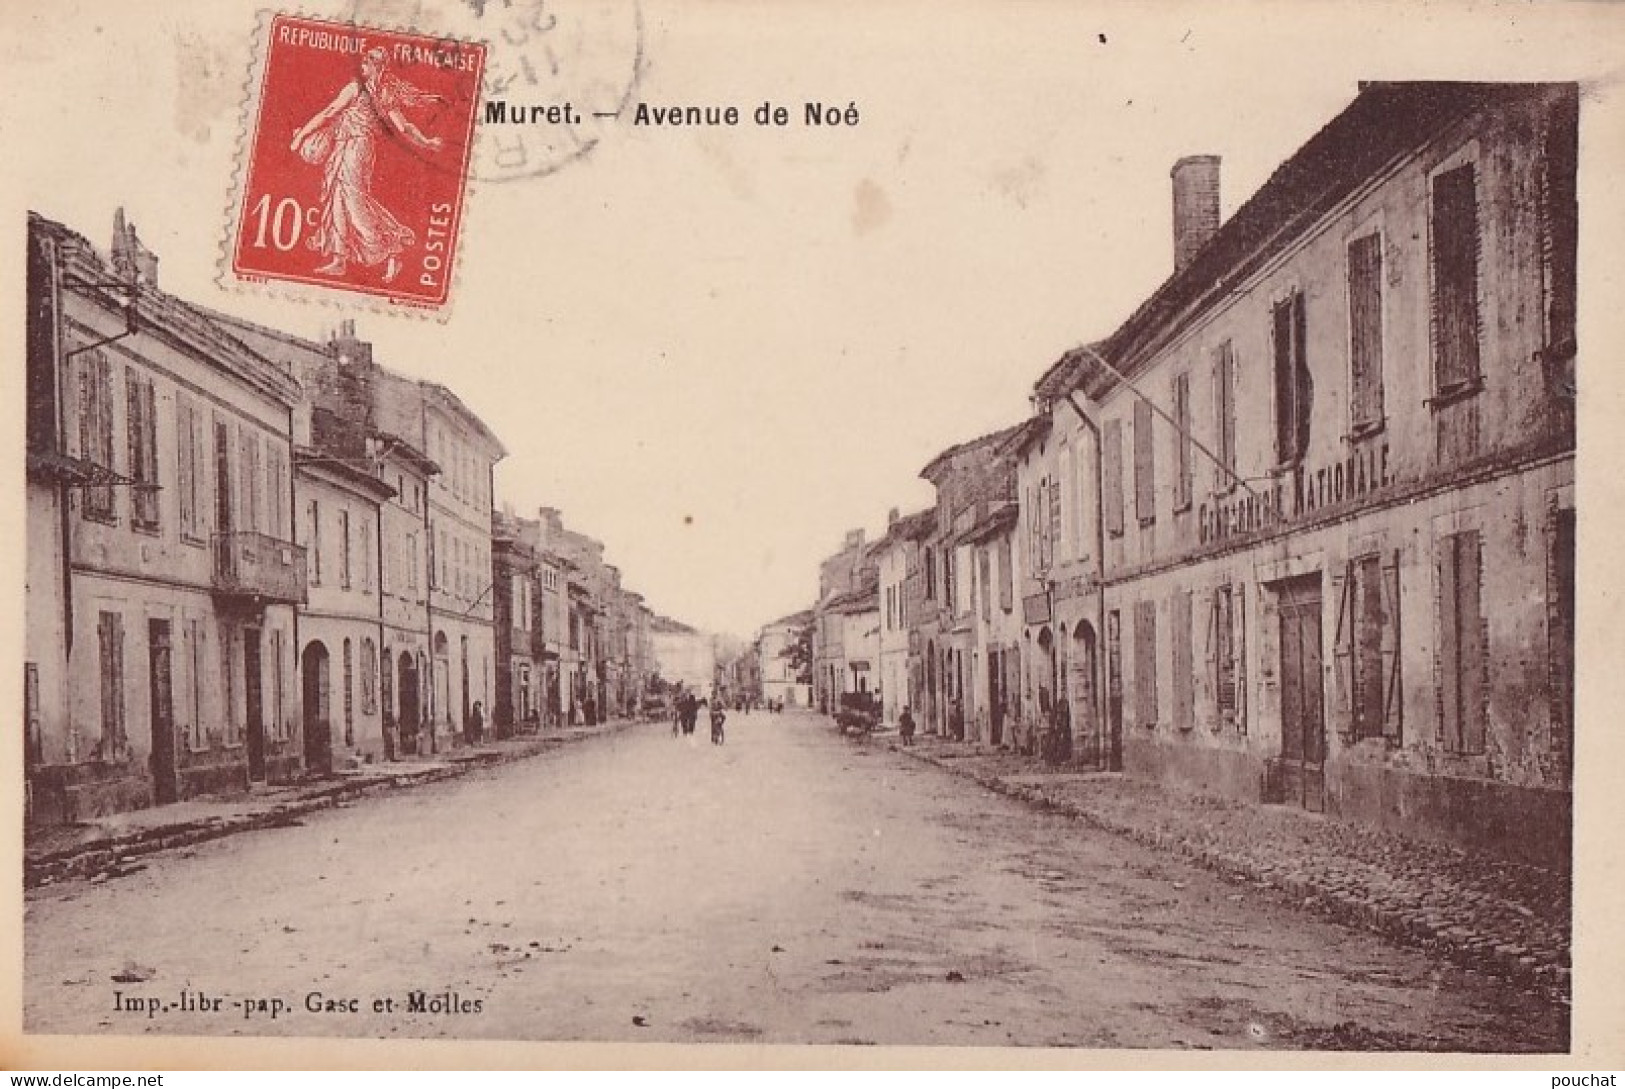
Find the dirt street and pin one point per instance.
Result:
(787, 887)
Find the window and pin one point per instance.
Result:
(313, 541)
(1182, 441)
(349, 695)
(276, 497)
(1145, 465)
(1112, 456)
(1184, 673)
(1007, 576)
(1226, 656)
(369, 677)
(412, 562)
(1365, 333)
(930, 574)
(1367, 648)
(985, 563)
(224, 507)
(1053, 536)
(1454, 234)
(96, 429)
(1462, 639)
(1224, 414)
(248, 465)
(1559, 232)
(189, 467)
(1294, 389)
(110, 643)
(1145, 663)
(141, 433)
(364, 543)
(344, 548)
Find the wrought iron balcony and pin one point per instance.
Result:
(260, 567)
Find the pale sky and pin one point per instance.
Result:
(719, 350)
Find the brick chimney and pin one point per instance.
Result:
(1196, 205)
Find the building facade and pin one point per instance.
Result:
(162, 570)
(1337, 484)
(782, 682)
(975, 482)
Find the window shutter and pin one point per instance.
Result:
(1210, 656)
(1145, 662)
(1145, 465)
(1281, 349)
(1113, 457)
(183, 461)
(1302, 383)
(1182, 666)
(1393, 702)
(1343, 650)
(1449, 667)
(1238, 598)
(134, 460)
(1455, 277)
(1365, 328)
(1474, 640)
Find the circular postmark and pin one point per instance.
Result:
(558, 75)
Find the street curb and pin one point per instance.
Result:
(109, 855)
(1467, 947)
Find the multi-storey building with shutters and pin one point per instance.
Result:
(162, 569)
(1336, 475)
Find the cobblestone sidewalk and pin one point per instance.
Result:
(1477, 909)
(104, 847)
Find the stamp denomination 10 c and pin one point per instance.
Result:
(357, 162)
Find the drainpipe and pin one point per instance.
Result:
(293, 534)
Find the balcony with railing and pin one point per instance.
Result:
(259, 567)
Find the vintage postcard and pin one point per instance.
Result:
(1043, 534)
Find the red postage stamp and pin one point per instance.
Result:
(357, 162)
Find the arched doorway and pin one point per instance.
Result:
(410, 716)
(1086, 737)
(316, 685)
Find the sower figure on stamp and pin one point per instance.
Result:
(353, 225)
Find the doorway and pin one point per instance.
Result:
(255, 705)
(1086, 738)
(1303, 717)
(159, 665)
(316, 703)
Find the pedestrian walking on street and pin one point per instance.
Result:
(718, 717)
(905, 727)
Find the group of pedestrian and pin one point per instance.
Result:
(685, 714)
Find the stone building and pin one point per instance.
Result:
(162, 574)
(1337, 485)
(1058, 544)
(781, 682)
(896, 555)
(846, 580)
(338, 502)
(974, 480)
(515, 567)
